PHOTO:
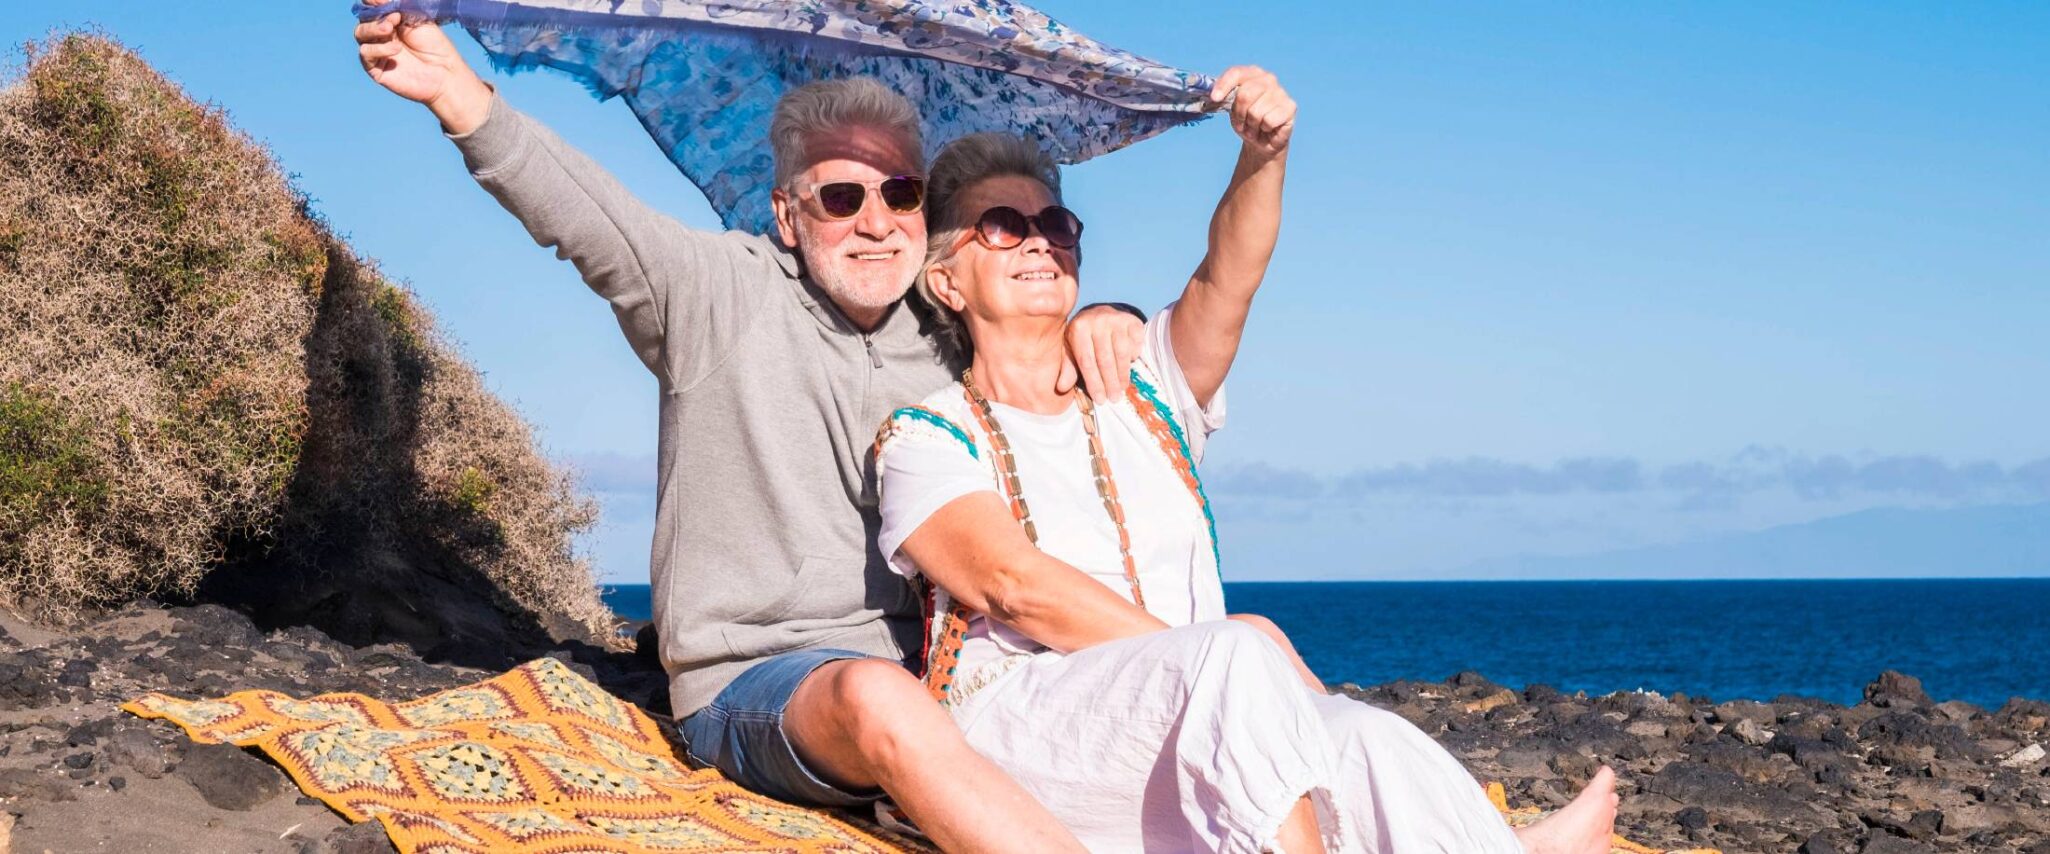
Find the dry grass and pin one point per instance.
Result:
(194, 370)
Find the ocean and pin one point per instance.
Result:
(1981, 641)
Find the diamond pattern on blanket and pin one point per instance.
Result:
(536, 759)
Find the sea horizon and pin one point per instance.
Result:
(1756, 639)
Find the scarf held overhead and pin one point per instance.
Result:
(704, 77)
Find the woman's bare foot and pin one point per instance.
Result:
(1581, 827)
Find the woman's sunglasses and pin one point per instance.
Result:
(843, 199)
(1004, 227)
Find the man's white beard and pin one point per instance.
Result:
(830, 268)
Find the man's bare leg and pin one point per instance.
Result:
(1299, 833)
(868, 723)
(1581, 827)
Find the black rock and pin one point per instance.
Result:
(217, 627)
(89, 733)
(382, 655)
(648, 645)
(1471, 685)
(229, 778)
(117, 783)
(658, 701)
(305, 801)
(1834, 775)
(79, 760)
(1819, 844)
(569, 660)
(306, 636)
(2023, 714)
(286, 653)
(1893, 690)
(1596, 733)
(1840, 738)
(1692, 818)
(138, 750)
(1698, 784)
(366, 837)
(1882, 843)
(1925, 824)
(1738, 759)
(1907, 729)
(26, 681)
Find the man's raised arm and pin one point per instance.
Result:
(634, 256)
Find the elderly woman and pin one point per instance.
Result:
(1078, 632)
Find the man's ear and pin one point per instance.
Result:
(944, 289)
(786, 216)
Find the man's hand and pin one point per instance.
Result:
(418, 62)
(1103, 342)
(1263, 114)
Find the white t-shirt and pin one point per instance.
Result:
(937, 452)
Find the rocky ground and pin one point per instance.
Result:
(1895, 773)
(79, 774)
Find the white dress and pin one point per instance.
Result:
(1198, 738)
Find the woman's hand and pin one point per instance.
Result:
(1263, 114)
(418, 62)
(1210, 319)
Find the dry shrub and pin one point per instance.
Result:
(195, 373)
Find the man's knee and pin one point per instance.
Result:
(879, 713)
(871, 697)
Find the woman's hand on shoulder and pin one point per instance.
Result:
(1263, 113)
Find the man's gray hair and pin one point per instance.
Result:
(828, 108)
(964, 163)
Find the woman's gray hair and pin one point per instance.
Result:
(964, 163)
(829, 108)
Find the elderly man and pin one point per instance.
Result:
(781, 629)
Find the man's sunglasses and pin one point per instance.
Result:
(843, 199)
(1005, 227)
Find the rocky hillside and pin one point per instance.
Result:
(205, 394)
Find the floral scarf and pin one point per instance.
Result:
(704, 77)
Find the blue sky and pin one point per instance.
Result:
(1555, 278)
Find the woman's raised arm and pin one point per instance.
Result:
(1208, 322)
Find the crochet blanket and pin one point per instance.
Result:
(536, 759)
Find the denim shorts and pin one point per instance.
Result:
(741, 733)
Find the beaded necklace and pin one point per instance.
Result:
(947, 620)
(1099, 468)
